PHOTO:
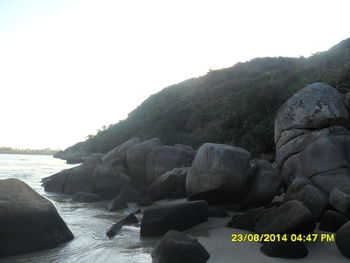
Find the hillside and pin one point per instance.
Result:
(235, 105)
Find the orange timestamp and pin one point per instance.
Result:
(282, 237)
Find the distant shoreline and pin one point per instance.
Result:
(8, 150)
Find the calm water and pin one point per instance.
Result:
(88, 222)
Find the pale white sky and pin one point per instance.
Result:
(69, 67)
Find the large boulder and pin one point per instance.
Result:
(340, 201)
(218, 174)
(158, 220)
(303, 190)
(332, 221)
(290, 218)
(28, 221)
(335, 179)
(162, 159)
(342, 239)
(172, 184)
(316, 106)
(325, 154)
(247, 220)
(120, 151)
(177, 247)
(263, 185)
(136, 157)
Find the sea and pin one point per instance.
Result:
(88, 222)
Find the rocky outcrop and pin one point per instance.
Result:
(313, 145)
(172, 184)
(177, 247)
(247, 220)
(72, 157)
(218, 174)
(310, 122)
(290, 218)
(263, 185)
(158, 220)
(28, 221)
(303, 190)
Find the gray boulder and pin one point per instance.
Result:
(177, 247)
(342, 239)
(325, 154)
(316, 106)
(120, 151)
(263, 186)
(303, 190)
(340, 201)
(292, 217)
(217, 174)
(136, 157)
(158, 220)
(335, 179)
(109, 178)
(332, 221)
(86, 197)
(162, 159)
(172, 184)
(347, 100)
(28, 221)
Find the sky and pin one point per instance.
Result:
(69, 67)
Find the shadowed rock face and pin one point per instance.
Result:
(313, 142)
(28, 221)
(177, 247)
(217, 173)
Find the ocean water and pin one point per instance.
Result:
(88, 222)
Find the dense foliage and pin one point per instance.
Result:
(235, 105)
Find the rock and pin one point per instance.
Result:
(247, 220)
(342, 239)
(289, 135)
(347, 100)
(217, 174)
(335, 179)
(127, 194)
(283, 249)
(28, 221)
(177, 247)
(116, 203)
(325, 154)
(303, 190)
(120, 151)
(263, 185)
(74, 180)
(158, 220)
(130, 219)
(172, 184)
(136, 157)
(109, 178)
(292, 217)
(332, 221)
(72, 157)
(340, 201)
(316, 106)
(162, 159)
(216, 212)
(299, 143)
(86, 197)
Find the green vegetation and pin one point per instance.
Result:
(235, 105)
(9, 150)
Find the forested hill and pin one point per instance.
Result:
(236, 105)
